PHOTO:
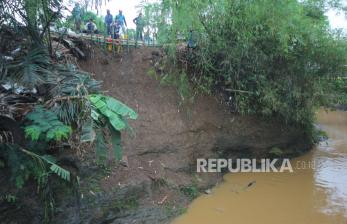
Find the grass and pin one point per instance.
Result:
(172, 210)
(190, 191)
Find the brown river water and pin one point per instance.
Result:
(316, 192)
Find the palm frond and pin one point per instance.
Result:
(3, 69)
(13, 104)
(69, 93)
(61, 172)
(32, 68)
(70, 81)
(64, 174)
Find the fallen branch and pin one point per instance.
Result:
(162, 200)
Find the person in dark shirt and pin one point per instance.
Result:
(108, 22)
(139, 26)
(77, 16)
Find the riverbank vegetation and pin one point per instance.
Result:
(271, 58)
(277, 59)
(47, 105)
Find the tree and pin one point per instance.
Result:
(272, 58)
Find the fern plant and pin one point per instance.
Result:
(45, 125)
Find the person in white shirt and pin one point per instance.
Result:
(90, 27)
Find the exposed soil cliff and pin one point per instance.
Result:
(158, 178)
(161, 157)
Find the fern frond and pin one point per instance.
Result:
(45, 123)
(58, 132)
(33, 131)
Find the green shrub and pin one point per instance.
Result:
(190, 191)
(273, 58)
(45, 124)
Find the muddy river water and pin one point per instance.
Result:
(316, 192)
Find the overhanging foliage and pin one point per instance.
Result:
(272, 58)
(48, 102)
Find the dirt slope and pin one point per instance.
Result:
(168, 140)
(157, 179)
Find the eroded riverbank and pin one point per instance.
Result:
(314, 193)
(157, 179)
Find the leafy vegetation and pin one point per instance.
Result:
(45, 105)
(272, 58)
(45, 124)
(68, 107)
(190, 191)
(179, 81)
(85, 16)
(116, 113)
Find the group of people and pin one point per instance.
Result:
(90, 26)
(113, 26)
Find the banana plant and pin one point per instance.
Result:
(113, 114)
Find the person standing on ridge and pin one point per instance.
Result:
(108, 22)
(121, 19)
(76, 15)
(139, 26)
(116, 27)
(146, 37)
